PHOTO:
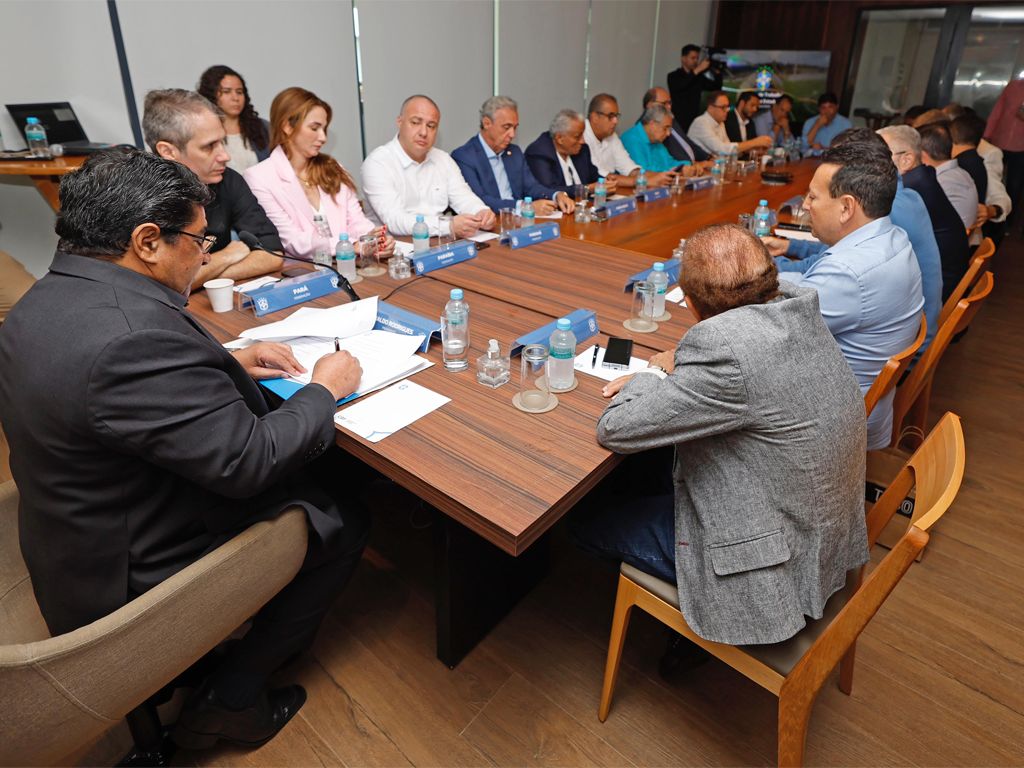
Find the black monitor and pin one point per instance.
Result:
(57, 117)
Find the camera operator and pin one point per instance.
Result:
(686, 83)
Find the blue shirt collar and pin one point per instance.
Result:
(487, 150)
(868, 231)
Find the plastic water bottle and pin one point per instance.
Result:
(561, 372)
(600, 193)
(641, 182)
(660, 280)
(761, 214)
(35, 134)
(346, 255)
(420, 236)
(718, 173)
(323, 254)
(528, 213)
(456, 343)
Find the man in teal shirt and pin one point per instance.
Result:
(645, 141)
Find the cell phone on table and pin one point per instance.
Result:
(482, 246)
(294, 271)
(618, 354)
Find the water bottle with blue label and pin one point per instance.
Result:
(35, 135)
(660, 280)
(761, 215)
(323, 254)
(641, 182)
(600, 193)
(420, 236)
(455, 333)
(528, 213)
(561, 361)
(346, 255)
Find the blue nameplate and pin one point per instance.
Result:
(671, 271)
(698, 182)
(617, 207)
(539, 233)
(288, 293)
(657, 193)
(750, 167)
(438, 258)
(584, 325)
(405, 323)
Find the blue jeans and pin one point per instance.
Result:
(630, 516)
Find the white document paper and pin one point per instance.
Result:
(381, 354)
(796, 234)
(387, 412)
(552, 215)
(483, 237)
(342, 321)
(675, 296)
(608, 374)
(259, 282)
(406, 249)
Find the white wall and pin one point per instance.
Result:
(681, 22)
(621, 39)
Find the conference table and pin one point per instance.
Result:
(45, 174)
(499, 478)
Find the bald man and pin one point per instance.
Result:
(410, 177)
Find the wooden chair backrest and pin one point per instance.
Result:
(922, 374)
(978, 264)
(890, 375)
(938, 468)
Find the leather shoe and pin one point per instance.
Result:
(204, 719)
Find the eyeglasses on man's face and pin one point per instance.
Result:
(207, 241)
(610, 115)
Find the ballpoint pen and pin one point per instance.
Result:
(337, 344)
(597, 348)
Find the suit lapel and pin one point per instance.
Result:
(483, 165)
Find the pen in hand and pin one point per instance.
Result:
(337, 344)
(597, 348)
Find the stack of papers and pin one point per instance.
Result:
(384, 414)
(583, 365)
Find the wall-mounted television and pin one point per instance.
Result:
(801, 74)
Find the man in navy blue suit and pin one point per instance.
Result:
(560, 157)
(494, 167)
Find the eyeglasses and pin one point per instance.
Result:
(718, 106)
(207, 242)
(663, 103)
(610, 115)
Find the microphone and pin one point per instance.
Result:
(255, 245)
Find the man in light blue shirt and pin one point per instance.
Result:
(819, 131)
(645, 141)
(909, 214)
(868, 281)
(774, 122)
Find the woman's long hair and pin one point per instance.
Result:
(290, 107)
(254, 132)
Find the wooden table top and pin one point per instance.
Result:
(656, 228)
(27, 167)
(505, 474)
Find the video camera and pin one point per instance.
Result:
(715, 65)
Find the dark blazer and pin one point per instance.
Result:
(543, 161)
(686, 90)
(235, 207)
(263, 154)
(674, 145)
(476, 170)
(732, 127)
(136, 439)
(950, 235)
(972, 162)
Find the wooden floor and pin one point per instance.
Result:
(940, 670)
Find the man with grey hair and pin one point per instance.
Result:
(410, 177)
(495, 168)
(183, 126)
(645, 143)
(560, 158)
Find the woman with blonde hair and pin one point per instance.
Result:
(298, 181)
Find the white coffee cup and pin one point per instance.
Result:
(222, 293)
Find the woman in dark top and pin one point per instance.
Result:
(248, 140)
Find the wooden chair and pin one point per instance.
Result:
(978, 264)
(914, 396)
(796, 669)
(893, 370)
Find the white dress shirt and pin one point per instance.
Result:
(608, 154)
(398, 189)
(960, 189)
(993, 158)
(568, 171)
(711, 135)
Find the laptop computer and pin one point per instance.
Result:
(61, 123)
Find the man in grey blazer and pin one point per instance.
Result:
(767, 510)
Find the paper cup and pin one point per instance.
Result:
(222, 293)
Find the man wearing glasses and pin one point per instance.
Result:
(708, 130)
(678, 144)
(185, 127)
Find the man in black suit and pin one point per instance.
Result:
(678, 143)
(739, 123)
(688, 83)
(560, 158)
(139, 443)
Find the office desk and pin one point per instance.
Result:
(499, 477)
(45, 174)
(656, 228)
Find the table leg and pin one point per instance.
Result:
(49, 187)
(476, 584)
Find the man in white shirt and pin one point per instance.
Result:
(409, 177)
(937, 152)
(606, 150)
(708, 130)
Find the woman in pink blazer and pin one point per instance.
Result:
(297, 181)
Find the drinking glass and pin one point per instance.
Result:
(533, 384)
(366, 255)
(445, 236)
(509, 220)
(642, 316)
(745, 220)
(581, 193)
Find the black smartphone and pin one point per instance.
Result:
(294, 271)
(617, 354)
(482, 246)
(794, 227)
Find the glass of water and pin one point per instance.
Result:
(744, 221)
(445, 235)
(367, 255)
(533, 383)
(642, 315)
(509, 220)
(454, 345)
